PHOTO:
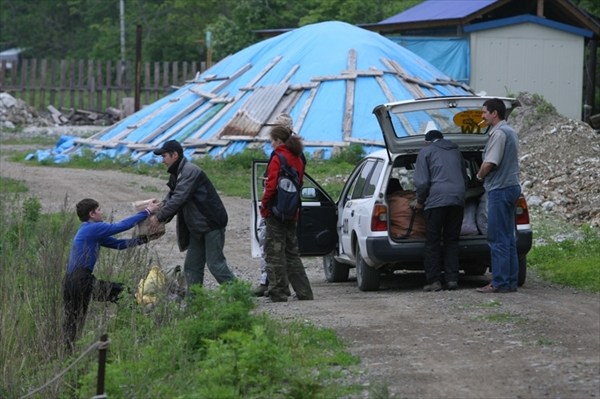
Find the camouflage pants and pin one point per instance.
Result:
(283, 262)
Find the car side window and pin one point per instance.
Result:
(366, 180)
(369, 189)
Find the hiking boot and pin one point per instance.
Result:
(261, 290)
(452, 285)
(435, 286)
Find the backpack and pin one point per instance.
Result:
(287, 201)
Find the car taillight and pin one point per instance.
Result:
(379, 218)
(522, 213)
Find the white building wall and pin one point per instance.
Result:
(532, 58)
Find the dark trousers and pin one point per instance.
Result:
(79, 288)
(442, 224)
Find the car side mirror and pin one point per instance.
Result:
(309, 193)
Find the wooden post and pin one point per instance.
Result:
(101, 365)
(138, 66)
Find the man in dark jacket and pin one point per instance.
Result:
(441, 182)
(201, 216)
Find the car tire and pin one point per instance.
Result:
(335, 272)
(366, 276)
(522, 270)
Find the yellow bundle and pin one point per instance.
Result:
(151, 286)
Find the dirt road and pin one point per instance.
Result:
(541, 342)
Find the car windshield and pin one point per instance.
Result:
(460, 120)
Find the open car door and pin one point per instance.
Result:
(317, 235)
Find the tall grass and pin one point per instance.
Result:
(215, 346)
(33, 252)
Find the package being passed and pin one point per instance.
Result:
(142, 229)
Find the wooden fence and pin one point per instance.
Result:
(91, 85)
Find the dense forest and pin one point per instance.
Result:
(172, 30)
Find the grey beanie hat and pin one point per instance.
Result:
(284, 119)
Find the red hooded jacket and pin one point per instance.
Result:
(270, 192)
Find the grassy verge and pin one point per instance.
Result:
(573, 262)
(215, 346)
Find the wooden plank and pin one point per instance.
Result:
(311, 97)
(72, 83)
(385, 88)
(62, 83)
(349, 100)
(79, 85)
(412, 88)
(33, 81)
(108, 80)
(43, 82)
(147, 86)
(91, 85)
(156, 79)
(99, 87)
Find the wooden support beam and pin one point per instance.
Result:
(350, 89)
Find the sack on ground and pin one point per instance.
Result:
(168, 283)
(401, 215)
(287, 201)
(151, 286)
(142, 229)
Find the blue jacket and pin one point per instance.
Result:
(92, 235)
(440, 175)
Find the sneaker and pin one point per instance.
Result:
(435, 286)
(260, 290)
(452, 285)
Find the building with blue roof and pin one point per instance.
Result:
(504, 47)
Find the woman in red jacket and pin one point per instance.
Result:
(281, 243)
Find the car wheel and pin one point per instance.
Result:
(522, 270)
(366, 276)
(335, 272)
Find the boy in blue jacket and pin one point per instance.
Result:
(80, 284)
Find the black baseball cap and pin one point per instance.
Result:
(433, 135)
(169, 146)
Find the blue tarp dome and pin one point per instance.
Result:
(328, 76)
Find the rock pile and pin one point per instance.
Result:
(560, 161)
(15, 112)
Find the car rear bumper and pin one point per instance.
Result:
(381, 251)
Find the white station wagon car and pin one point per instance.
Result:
(370, 227)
